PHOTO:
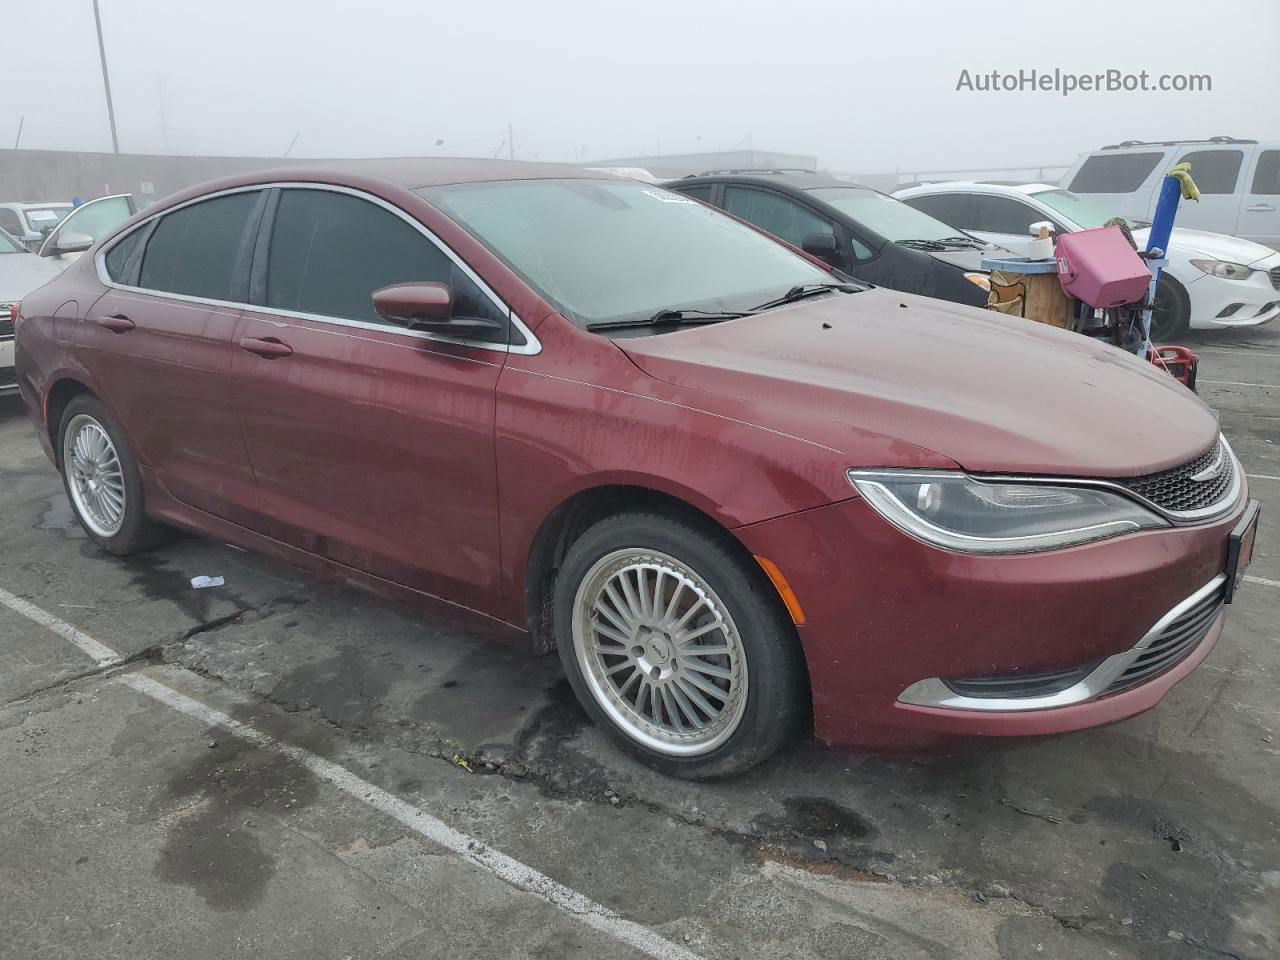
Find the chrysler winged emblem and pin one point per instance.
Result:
(1212, 470)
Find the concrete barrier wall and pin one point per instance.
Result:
(61, 175)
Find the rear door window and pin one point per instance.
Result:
(1214, 171)
(776, 214)
(701, 191)
(330, 251)
(1266, 178)
(195, 251)
(1114, 172)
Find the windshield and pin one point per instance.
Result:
(1078, 209)
(887, 216)
(7, 245)
(605, 250)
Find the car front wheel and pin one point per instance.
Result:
(676, 645)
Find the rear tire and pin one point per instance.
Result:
(102, 481)
(677, 646)
(1171, 312)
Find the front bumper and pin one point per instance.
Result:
(1217, 302)
(885, 613)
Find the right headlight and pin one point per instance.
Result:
(1224, 268)
(958, 512)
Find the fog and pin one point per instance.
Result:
(866, 87)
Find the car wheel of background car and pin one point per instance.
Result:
(102, 481)
(1171, 312)
(677, 645)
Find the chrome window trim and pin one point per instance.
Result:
(531, 347)
(1179, 517)
(934, 693)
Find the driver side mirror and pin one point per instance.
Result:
(68, 243)
(428, 307)
(821, 245)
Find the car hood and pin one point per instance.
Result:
(1218, 246)
(20, 273)
(966, 258)
(989, 392)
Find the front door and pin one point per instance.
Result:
(372, 445)
(1218, 174)
(160, 344)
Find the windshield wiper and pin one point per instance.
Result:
(672, 318)
(805, 290)
(964, 242)
(923, 244)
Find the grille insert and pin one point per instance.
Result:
(6, 327)
(8, 377)
(1275, 277)
(1026, 683)
(1175, 490)
(1175, 642)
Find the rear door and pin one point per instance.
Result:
(373, 445)
(159, 343)
(1219, 173)
(1259, 218)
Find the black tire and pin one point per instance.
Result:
(776, 688)
(1171, 312)
(136, 530)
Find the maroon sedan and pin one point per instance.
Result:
(736, 491)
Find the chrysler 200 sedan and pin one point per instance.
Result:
(738, 494)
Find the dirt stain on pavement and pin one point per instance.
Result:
(214, 843)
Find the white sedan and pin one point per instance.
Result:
(1211, 280)
(20, 273)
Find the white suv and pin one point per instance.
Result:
(1239, 183)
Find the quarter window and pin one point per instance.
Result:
(1215, 171)
(330, 251)
(122, 260)
(194, 250)
(1114, 172)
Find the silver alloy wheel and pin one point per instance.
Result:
(659, 652)
(94, 475)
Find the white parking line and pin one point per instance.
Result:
(1260, 476)
(1239, 383)
(512, 871)
(101, 654)
(1261, 581)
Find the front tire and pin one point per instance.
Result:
(102, 481)
(676, 645)
(1171, 311)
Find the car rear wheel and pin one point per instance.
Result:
(677, 646)
(102, 481)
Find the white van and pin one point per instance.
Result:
(1239, 183)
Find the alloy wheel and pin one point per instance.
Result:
(95, 476)
(659, 652)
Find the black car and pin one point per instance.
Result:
(862, 232)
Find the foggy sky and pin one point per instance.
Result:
(867, 87)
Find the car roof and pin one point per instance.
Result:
(413, 173)
(988, 186)
(800, 181)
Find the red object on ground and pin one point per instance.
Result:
(1180, 362)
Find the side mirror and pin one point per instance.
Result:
(821, 245)
(1035, 228)
(429, 307)
(68, 243)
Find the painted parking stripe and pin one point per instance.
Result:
(1239, 383)
(1261, 581)
(508, 869)
(101, 654)
(1260, 476)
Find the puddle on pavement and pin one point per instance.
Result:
(58, 515)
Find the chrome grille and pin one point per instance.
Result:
(8, 377)
(6, 324)
(1175, 491)
(1182, 635)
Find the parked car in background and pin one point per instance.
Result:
(1239, 183)
(734, 490)
(20, 273)
(84, 226)
(30, 221)
(1211, 281)
(859, 231)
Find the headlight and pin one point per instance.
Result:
(958, 512)
(979, 279)
(1224, 268)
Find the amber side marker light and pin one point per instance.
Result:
(780, 584)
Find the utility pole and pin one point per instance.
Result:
(511, 143)
(18, 139)
(106, 80)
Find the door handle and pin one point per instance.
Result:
(1261, 208)
(116, 323)
(267, 347)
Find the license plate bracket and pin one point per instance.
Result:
(1240, 547)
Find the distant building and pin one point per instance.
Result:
(671, 166)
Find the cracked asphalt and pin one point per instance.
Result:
(128, 829)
